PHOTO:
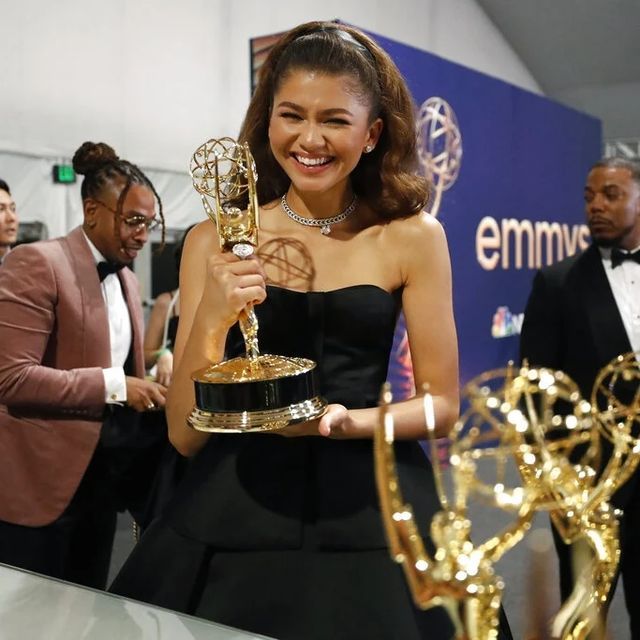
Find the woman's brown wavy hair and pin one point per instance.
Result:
(386, 178)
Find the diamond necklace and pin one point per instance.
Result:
(323, 223)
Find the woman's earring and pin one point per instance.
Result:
(369, 148)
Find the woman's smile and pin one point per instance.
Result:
(318, 129)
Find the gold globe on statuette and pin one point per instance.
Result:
(255, 392)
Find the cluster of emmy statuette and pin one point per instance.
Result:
(533, 420)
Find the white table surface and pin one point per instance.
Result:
(34, 607)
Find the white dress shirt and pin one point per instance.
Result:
(119, 333)
(625, 285)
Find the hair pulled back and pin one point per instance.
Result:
(386, 178)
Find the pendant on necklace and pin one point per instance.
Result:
(325, 230)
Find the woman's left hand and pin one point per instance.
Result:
(335, 422)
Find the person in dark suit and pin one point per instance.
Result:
(583, 312)
(8, 220)
(72, 378)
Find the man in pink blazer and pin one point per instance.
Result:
(72, 378)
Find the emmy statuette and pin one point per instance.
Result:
(537, 420)
(255, 392)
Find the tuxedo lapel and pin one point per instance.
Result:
(609, 335)
(95, 330)
(96, 343)
(132, 297)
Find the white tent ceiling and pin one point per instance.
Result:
(571, 43)
(585, 53)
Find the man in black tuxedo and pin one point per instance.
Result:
(582, 313)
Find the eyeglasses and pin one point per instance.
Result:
(135, 222)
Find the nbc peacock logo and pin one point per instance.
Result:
(506, 323)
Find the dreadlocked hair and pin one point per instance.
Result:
(100, 166)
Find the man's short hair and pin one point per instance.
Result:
(4, 186)
(633, 166)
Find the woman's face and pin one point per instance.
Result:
(318, 129)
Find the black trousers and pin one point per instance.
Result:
(629, 567)
(77, 546)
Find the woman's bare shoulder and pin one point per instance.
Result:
(415, 231)
(203, 236)
(201, 243)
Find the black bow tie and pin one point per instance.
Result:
(106, 268)
(618, 257)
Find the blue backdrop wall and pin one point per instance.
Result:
(515, 205)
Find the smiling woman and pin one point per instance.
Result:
(281, 533)
(318, 137)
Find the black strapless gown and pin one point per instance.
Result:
(283, 536)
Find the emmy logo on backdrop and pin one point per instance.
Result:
(256, 392)
(439, 146)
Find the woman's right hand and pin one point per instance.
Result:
(231, 285)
